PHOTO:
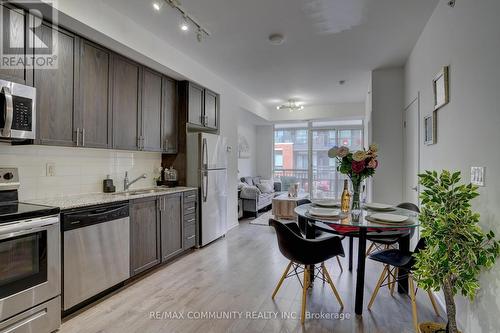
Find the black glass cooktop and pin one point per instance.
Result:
(16, 211)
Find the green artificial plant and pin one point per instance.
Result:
(457, 248)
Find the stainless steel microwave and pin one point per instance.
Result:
(17, 111)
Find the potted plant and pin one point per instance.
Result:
(457, 248)
(357, 165)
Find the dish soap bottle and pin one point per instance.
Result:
(345, 201)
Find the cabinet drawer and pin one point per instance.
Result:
(189, 230)
(190, 196)
(189, 208)
(189, 220)
(189, 241)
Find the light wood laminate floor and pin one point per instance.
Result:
(237, 275)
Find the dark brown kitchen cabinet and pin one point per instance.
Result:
(56, 116)
(14, 25)
(201, 107)
(93, 104)
(169, 116)
(126, 80)
(171, 225)
(145, 249)
(151, 111)
(211, 109)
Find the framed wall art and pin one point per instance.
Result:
(430, 131)
(441, 88)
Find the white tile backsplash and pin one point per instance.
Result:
(78, 170)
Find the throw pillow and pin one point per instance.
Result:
(266, 186)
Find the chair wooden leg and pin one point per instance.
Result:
(340, 265)
(433, 302)
(330, 282)
(282, 279)
(377, 287)
(395, 281)
(413, 304)
(305, 285)
(370, 249)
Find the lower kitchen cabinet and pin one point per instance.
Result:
(144, 235)
(171, 225)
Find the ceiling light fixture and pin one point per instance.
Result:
(276, 39)
(189, 20)
(292, 105)
(156, 6)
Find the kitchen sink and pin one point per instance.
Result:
(143, 191)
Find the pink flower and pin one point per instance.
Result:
(373, 164)
(342, 152)
(358, 166)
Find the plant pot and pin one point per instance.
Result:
(430, 327)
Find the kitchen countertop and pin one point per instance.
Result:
(83, 200)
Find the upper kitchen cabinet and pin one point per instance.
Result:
(55, 89)
(211, 110)
(151, 111)
(169, 116)
(94, 115)
(200, 105)
(14, 22)
(126, 79)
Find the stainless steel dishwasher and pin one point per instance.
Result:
(96, 251)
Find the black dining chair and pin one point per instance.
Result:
(394, 260)
(304, 254)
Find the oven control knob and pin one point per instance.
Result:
(8, 176)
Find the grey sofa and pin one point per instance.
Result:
(253, 199)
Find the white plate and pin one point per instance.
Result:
(379, 206)
(389, 217)
(324, 212)
(326, 203)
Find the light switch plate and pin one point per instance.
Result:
(477, 176)
(50, 169)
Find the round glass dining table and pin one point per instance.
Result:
(362, 226)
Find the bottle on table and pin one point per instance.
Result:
(345, 201)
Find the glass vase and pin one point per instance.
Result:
(356, 202)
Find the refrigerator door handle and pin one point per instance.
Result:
(205, 186)
(205, 154)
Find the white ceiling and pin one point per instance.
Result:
(326, 41)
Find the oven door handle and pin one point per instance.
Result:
(8, 112)
(25, 227)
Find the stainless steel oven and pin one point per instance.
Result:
(17, 111)
(30, 275)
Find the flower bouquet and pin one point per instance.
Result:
(357, 165)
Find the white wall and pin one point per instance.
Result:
(341, 111)
(467, 38)
(264, 152)
(78, 170)
(247, 129)
(101, 23)
(387, 94)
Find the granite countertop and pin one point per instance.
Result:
(83, 200)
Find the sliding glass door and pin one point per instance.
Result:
(301, 155)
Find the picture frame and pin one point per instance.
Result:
(441, 88)
(430, 129)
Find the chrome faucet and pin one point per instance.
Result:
(127, 183)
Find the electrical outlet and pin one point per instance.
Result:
(50, 169)
(477, 176)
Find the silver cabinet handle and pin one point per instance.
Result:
(191, 237)
(190, 220)
(83, 137)
(78, 137)
(9, 112)
(190, 209)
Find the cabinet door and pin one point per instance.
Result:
(195, 104)
(94, 107)
(169, 116)
(211, 109)
(55, 90)
(144, 235)
(14, 22)
(126, 75)
(151, 110)
(171, 225)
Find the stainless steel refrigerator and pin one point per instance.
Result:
(207, 170)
